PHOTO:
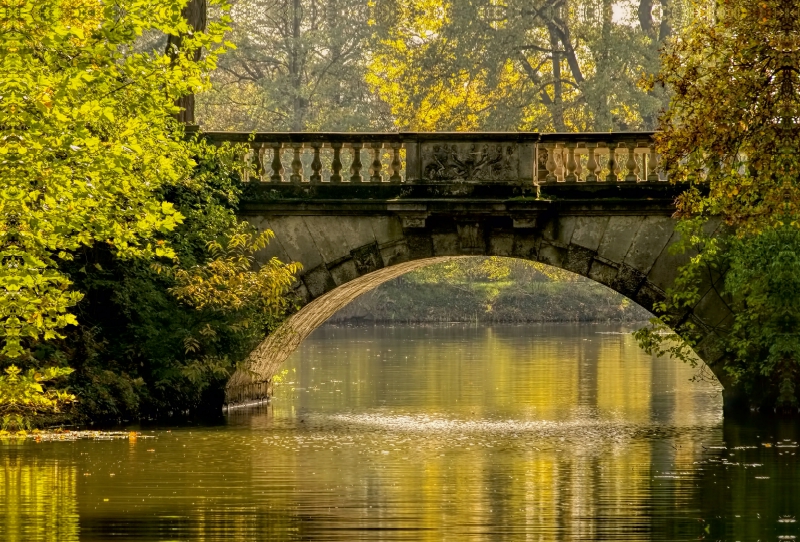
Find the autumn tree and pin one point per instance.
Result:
(731, 138)
(299, 65)
(553, 65)
(98, 174)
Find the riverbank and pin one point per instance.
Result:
(514, 300)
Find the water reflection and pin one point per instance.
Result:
(546, 433)
(39, 499)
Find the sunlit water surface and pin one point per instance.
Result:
(565, 432)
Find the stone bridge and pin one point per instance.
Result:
(595, 204)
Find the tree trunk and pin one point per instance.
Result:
(196, 13)
(296, 70)
(665, 29)
(645, 13)
(557, 110)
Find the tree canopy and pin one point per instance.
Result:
(731, 137)
(87, 141)
(441, 65)
(98, 179)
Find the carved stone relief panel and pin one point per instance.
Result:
(475, 162)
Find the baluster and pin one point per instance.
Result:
(355, 167)
(261, 169)
(591, 164)
(396, 164)
(561, 164)
(297, 164)
(375, 169)
(612, 164)
(652, 164)
(579, 166)
(571, 166)
(277, 167)
(630, 165)
(551, 162)
(247, 160)
(316, 165)
(336, 165)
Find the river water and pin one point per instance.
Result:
(560, 432)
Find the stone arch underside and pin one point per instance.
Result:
(344, 256)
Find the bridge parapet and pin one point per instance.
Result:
(292, 159)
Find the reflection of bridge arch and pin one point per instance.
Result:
(350, 248)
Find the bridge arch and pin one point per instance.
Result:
(348, 252)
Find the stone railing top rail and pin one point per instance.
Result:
(472, 157)
(402, 137)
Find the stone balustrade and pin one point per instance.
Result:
(291, 159)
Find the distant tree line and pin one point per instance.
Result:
(344, 65)
(489, 290)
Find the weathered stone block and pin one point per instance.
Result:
(558, 230)
(711, 350)
(618, 237)
(648, 295)
(357, 231)
(394, 254)
(665, 268)
(318, 281)
(386, 229)
(296, 240)
(344, 272)
(445, 244)
(419, 245)
(501, 244)
(602, 272)
(628, 281)
(651, 239)
(566, 227)
(329, 236)
(526, 246)
(274, 249)
(578, 260)
(301, 293)
(551, 255)
(711, 310)
(589, 231)
(367, 259)
(470, 239)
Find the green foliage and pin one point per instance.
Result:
(467, 65)
(228, 284)
(764, 281)
(160, 338)
(87, 139)
(99, 182)
(490, 269)
(730, 133)
(731, 138)
(298, 65)
(23, 396)
(367, 65)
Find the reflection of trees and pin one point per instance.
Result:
(732, 503)
(578, 488)
(39, 499)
